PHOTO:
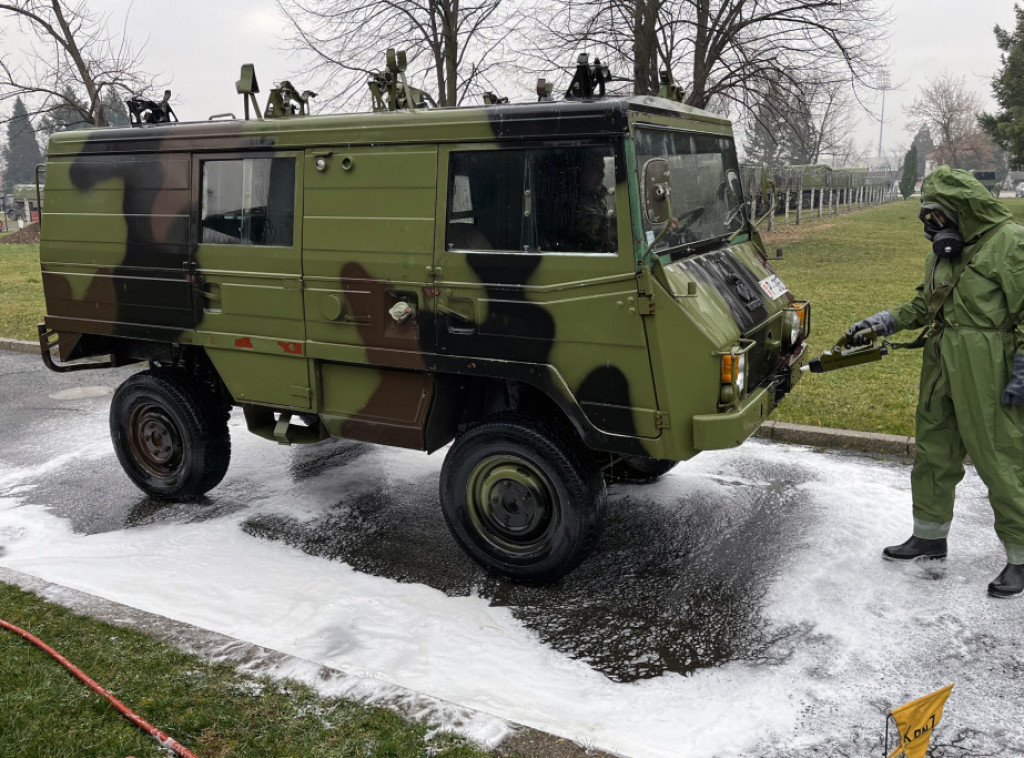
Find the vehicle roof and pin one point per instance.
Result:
(506, 122)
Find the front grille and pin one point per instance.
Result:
(764, 356)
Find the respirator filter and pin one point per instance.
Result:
(947, 243)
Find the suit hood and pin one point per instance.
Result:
(973, 206)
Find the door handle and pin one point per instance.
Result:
(460, 315)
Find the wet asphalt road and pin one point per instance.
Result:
(679, 583)
(668, 590)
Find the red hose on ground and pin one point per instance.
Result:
(144, 725)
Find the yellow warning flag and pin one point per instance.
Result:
(916, 721)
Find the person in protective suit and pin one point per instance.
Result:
(972, 379)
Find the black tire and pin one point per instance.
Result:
(170, 435)
(522, 498)
(635, 469)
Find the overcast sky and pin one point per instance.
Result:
(202, 43)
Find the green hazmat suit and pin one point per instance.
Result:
(968, 360)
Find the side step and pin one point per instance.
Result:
(278, 427)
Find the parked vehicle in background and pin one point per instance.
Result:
(567, 289)
(24, 203)
(991, 180)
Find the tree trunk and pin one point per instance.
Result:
(98, 117)
(645, 47)
(449, 94)
(698, 97)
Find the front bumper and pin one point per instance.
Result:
(715, 431)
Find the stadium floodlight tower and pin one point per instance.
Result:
(883, 82)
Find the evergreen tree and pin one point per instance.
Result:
(909, 178)
(21, 153)
(70, 113)
(114, 108)
(67, 115)
(1007, 126)
(925, 147)
(763, 138)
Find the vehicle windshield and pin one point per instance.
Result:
(706, 198)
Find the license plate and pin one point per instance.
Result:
(773, 286)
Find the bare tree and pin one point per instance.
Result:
(724, 51)
(72, 62)
(848, 153)
(454, 42)
(739, 45)
(634, 36)
(950, 110)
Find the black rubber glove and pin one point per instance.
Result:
(1014, 392)
(882, 324)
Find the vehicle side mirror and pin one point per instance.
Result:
(656, 190)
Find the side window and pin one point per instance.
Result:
(544, 200)
(249, 201)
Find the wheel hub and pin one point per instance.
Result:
(510, 503)
(155, 440)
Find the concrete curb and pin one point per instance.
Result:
(19, 346)
(257, 660)
(837, 439)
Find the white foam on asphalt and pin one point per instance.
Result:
(874, 634)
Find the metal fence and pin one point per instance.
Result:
(788, 194)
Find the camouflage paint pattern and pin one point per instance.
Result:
(630, 355)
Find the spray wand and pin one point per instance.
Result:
(844, 354)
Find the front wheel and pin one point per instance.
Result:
(170, 436)
(522, 499)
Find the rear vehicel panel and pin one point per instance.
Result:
(116, 243)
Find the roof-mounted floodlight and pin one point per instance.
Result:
(247, 87)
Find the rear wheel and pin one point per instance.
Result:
(522, 499)
(170, 436)
(636, 469)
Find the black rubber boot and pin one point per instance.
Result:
(1010, 583)
(916, 547)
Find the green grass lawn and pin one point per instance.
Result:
(851, 267)
(212, 710)
(21, 292)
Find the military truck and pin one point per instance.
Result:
(565, 291)
(25, 203)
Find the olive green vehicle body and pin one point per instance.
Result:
(629, 353)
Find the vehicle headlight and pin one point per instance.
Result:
(734, 371)
(796, 323)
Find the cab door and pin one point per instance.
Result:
(247, 272)
(535, 265)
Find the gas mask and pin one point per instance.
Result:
(942, 232)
